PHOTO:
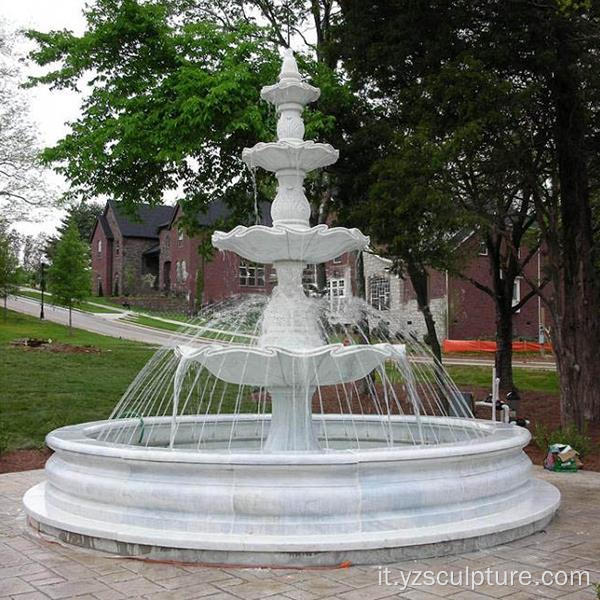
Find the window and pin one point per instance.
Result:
(251, 274)
(516, 298)
(117, 247)
(168, 241)
(180, 239)
(336, 288)
(177, 272)
(483, 248)
(184, 273)
(99, 247)
(337, 260)
(379, 292)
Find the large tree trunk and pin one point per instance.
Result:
(419, 279)
(504, 339)
(577, 323)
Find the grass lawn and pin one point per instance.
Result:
(84, 306)
(42, 390)
(525, 379)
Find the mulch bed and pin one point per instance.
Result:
(24, 460)
(52, 346)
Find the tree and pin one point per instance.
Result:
(174, 100)
(69, 276)
(24, 192)
(544, 56)
(9, 264)
(83, 215)
(34, 250)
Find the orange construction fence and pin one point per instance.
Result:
(485, 346)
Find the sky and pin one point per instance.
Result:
(50, 110)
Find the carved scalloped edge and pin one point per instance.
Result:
(251, 156)
(234, 240)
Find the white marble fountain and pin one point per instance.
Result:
(287, 487)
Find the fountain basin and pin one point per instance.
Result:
(235, 504)
(271, 244)
(281, 367)
(301, 156)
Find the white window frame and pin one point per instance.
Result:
(336, 288)
(99, 247)
(379, 296)
(251, 274)
(516, 297)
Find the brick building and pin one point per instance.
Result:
(460, 309)
(154, 256)
(125, 252)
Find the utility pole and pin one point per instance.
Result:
(43, 288)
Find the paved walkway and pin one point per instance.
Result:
(34, 569)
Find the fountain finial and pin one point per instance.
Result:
(289, 67)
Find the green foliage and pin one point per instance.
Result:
(69, 277)
(569, 435)
(174, 98)
(9, 264)
(83, 215)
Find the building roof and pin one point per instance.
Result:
(218, 210)
(105, 227)
(150, 218)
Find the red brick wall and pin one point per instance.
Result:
(472, 312)
(101, 262)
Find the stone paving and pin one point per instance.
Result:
(34, 569)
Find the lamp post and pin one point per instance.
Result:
(43, 288)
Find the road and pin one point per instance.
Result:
(104, 324)
(108, 324)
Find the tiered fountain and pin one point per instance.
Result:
(291, 487)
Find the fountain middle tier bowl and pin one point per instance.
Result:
(312, 245)
(232, 504)
(279, 367)
(303, 156)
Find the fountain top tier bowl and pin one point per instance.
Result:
(290, 439)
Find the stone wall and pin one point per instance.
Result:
(403, 315)
(156, 303)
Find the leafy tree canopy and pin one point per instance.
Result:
(173, 97)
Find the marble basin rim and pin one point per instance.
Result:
(492, 437)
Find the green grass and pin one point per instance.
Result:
(84, 306)
(525, 379)
(42, 390)
(481, 377)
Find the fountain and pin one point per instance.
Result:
(191, 466)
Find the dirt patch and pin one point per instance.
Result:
(24, 460)
(52, 346)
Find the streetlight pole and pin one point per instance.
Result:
(43, 289)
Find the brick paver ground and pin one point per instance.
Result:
(35, 569)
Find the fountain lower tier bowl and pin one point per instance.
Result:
(303, 156)
(280, 367)
(272, 244)
(468, 485)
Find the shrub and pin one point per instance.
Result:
(569, 435)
